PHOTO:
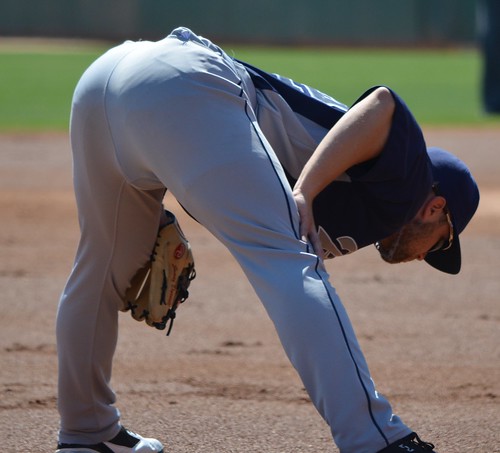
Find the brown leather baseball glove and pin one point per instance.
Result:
(157, 289)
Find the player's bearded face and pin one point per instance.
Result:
(404, 244)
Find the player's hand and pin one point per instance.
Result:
(308, 231)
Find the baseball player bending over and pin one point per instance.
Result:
(230, 142)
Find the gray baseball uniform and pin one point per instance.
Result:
(180, 114)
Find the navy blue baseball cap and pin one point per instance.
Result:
(455, 183)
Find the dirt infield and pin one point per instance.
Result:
(221, 382)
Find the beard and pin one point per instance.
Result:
(400, 246)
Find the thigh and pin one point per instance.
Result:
(118, 221)
(181, 116)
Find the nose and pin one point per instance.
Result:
(421, 256)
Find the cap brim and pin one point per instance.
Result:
(449, 261)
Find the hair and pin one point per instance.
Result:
(399, 247)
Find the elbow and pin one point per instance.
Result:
(384, 100)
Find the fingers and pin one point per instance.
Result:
(308, 231)
(316, 243)
(310, 234)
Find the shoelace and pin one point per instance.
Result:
(421, 443)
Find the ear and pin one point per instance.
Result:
(432, 208)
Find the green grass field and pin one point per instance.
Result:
(440, 86)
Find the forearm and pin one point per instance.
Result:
(358, 136)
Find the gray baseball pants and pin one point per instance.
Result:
(180, 114)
